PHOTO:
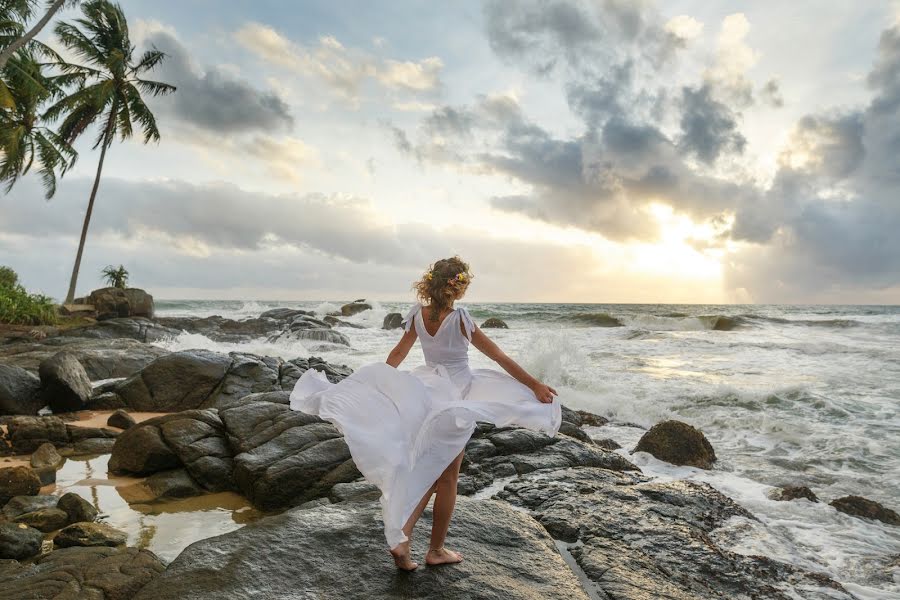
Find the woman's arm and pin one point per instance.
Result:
(489, 348)
(402, 348)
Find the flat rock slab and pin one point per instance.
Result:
(338, 552)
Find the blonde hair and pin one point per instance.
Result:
(445, 282)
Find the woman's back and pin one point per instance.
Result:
(449, 345)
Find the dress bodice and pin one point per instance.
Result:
(449, 346)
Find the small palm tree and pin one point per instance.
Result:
(22, 134)
(110, 90)
(116, 277)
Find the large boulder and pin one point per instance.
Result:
(247, 374)
(19, 391)
(392, 320)
(292, 370)
(865, 508)
(65, 385)
(283, 458)
(176, 381)
(101, 358)
(18, 481)
(310, 329)
(354, 308)
(336, 553)
(114, 302)
(678, 443)
(637, 539)
(19, 541)
(98, 573)
(89, 534)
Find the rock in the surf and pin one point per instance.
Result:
(19, 541)
(795, 492)
(868, 509)
(494, 323)
(65, 385)
(114, 302)
(392, 320)
(678, 443)
(334, 553)
(19, 391)
(356, 307)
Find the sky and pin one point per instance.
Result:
(570, 150)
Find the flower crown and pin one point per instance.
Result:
(459, 278)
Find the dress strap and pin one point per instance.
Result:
(468, 323)
(410, 316)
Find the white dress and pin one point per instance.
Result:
(404, 428)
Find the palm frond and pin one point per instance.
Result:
(155, 88)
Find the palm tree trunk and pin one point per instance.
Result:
(30, 35)
(107, 140)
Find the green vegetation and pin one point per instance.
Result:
(18, 307)
(116, 277)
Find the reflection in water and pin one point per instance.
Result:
(164, 528)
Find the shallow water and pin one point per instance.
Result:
(806, 395)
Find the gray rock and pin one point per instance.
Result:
(220, 329)
(608, 444)
(519, 440)
(19, 541)
(335, 322)
(307, 328)
(176, 381)
(19, 505)
(65, 385)
(286, 314)
(574, 431)
(101, 357)
(336, 552)
(865, 508)
(46, 457)
(293, 369)
(636, 539)
(19, 391)
(678, 443)
(27, 434)
(97, 573)
(45, 519)
(142, 451)
(18, 481)
(314, 503)
(494, 323)
(355, 490)
(248, 374)
(282, 457)
(121, 419)
(392, 321)
(279, 397)
(89, 534)
(105, 401)
(353, 308)
(77, 508)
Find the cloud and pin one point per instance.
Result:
(211, 98)
(709, 128)
(344, 70)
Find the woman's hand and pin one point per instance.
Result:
(544, 393)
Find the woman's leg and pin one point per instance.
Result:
(444, 503)
(401, 552)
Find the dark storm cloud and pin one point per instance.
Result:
(709, 128)
(213, 99)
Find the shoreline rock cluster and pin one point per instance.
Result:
(571, 517)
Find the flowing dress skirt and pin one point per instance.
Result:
(404, 428)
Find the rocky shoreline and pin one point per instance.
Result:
(539, 517)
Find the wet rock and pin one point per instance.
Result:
(286, 314)
(19, 505)
(678, 443)
(608, 444)
(334, 552)
(279, 397)
(27, 434)
(45, 519)
(121, 419)
(166, 485)
(77, 508)
(98, 573)
(292, 370)
(335, 322)
(115, 302)
(89, 534)
(46, 457)
(868, 509)
(589, 419)
(578, 433)
(65, 385)
(176, 381)
(220, 329)
(142, 451)
(355, 490)
(793, 492)
(247, 374)
(19, 541)
(19, 391)
(354, 308)
(494, 323)
(636, 539)
(519, 440)
(479, 449)
(282, 457)
(392, 320)
(129, 328)
(310, 328)
(18, 481)
(101, 358)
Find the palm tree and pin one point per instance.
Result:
(116, 277)
(22, 136)
(13, 14)
(110, 90)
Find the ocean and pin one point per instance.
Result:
(787, 395)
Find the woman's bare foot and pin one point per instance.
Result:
(442, 556)
(402, 558)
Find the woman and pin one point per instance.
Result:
(407, 430)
